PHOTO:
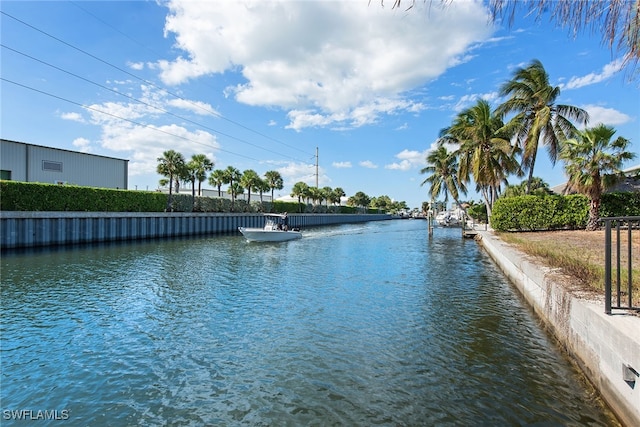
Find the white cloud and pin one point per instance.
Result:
(368, 164)
(467, 101)
(341, 165)
(592, 78)
(83, 144)
(74, 117)
(409, 159)
(326, 63)
(293, 172)
(608, 116)
(197, 107)
(136, 65)
(127, 129)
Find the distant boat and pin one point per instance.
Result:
(276, 229)
(453, 218)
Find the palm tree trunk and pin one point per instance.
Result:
(169, 198)
(594, 215)
(530, 178)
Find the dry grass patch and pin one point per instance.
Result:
(580, 255)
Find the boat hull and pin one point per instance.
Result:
(262, 235)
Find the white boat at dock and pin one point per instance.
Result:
(276, 229)
(450, 218)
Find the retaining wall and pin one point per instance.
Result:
(606, 347)
(32, 229)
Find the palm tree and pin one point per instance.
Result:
(617, 19)
(326, 194)
(275, 181)
(200, 165)
(171, 165)
(231, 175)
(216, 179)
(300, 189)
(190, 175)
(443, 169)
(263, 186)
(485, 151)
(359, 199)
(250, 179)
(336, 195)
(538, 187)
(593, 162)
(538, 118)
(316, 196)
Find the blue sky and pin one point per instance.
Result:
(260, 85)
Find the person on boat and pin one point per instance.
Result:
(285, 222)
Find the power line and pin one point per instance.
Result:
(123, 118)
(144, 103)
(148, 82)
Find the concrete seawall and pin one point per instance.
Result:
(36, 229)
(607, 348)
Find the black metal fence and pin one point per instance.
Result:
(619, 292)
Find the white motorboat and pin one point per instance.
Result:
(453, 218)
(276, 229)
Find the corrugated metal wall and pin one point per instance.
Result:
(35, 163)
(33, 229)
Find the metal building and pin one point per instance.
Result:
(20, 161)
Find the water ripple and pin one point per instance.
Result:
(373, 324)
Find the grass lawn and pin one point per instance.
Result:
(580, 255)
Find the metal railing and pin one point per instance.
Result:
(618, 294)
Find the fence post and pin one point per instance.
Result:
(607, 267)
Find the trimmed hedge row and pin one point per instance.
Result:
(529, 213)
(27, 196)
(30, 196)
(620, 204)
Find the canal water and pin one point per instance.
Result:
(353, 325)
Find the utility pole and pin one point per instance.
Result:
(317, 167)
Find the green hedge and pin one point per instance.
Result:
(27, 196)
(620, 204)
(540, 213)
(528, 213)
(31, 196)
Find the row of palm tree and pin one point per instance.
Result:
(487, 150)
(317, 195)
(173, 166)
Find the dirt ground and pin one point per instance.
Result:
(589, 243)
(588, 246)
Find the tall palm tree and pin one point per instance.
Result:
(616, 19)
(249, 179)
(275, 181)
(336, 195)
(538, 119)
(443, 179)
(263, 186)
(216, 179)
(231, 175)
(326, 194)
(300, 189)
(485, 152)
(200, 164)
(593, 162)
(171, 165)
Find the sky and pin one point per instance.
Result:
(358, 88)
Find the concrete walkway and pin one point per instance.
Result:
(606, 347)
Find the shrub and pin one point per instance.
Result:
(620, 204)
(29, 196)
(539, 213)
